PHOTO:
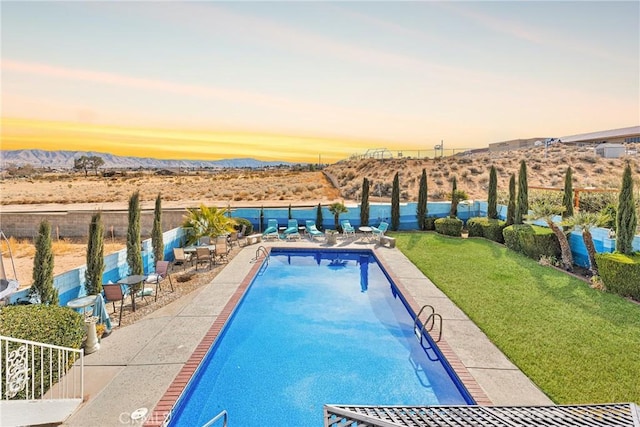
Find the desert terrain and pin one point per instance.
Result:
(297, 186)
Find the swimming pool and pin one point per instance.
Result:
(315, 327)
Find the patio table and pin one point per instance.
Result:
(133, 282)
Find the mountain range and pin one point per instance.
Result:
(65, 160)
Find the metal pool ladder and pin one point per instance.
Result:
(261, 253)
(222, 415)
(428, 324)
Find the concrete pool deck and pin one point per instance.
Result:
(136, 364)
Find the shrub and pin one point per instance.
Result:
(430, 223)
(239, 222)
(531, 240)
(474, 225)
(449, 226)
(620, 273)
(49, 324)
(485, 227)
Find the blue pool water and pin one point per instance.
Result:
(314, 328)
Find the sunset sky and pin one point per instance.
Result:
(293, 81)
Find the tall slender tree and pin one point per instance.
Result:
(453, 210)
(364, 203)
(95, 256)
(522, 203)
(626, 219)
(511, 205)
(289, 212)
(134, 246)
(319, 218)
(421, 208)
(567, 199)
(42, 288)
(395, 203)
(492, 198)
(156, 232)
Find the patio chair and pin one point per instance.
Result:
(113, 292)
(204, 255)
(347, 228)
(162, 272)
(292, 230)
(180, 257)
(204, 240)
(222, 250)
(271, 232)
(380, 230)
(312, 230)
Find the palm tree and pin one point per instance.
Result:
(546, 211)
(336, 209)
(206, 221)
(585, 221)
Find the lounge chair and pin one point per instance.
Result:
(347, 228)
(292, 230)
(312, 230)
(379, 230)
(271, 232)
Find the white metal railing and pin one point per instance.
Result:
(37, 371)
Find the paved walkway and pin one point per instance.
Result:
(136, 364)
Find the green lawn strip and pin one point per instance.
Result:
(579, 345)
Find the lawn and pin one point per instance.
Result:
(579, 345)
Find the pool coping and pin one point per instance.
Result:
(162, 411)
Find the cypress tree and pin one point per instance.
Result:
(522, 203)
(395, 203)
(567, 200)
(511, 207)
(492, 198)
(42, 287)
(364, 203)
(290, 214)
(95, 256)
(453, 210)
(319, 218)
(156, 231)
(134, 246)
(261, 218)
(626, 220)
(421, 209)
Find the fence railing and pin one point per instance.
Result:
(35, 371)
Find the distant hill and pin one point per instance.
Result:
(65, 160)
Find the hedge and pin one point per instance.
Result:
(46, 324)
(620, 273)
(488, 228)
(532, 240)
(243, 221)
(449, 226)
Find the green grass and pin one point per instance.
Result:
(579, 345)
